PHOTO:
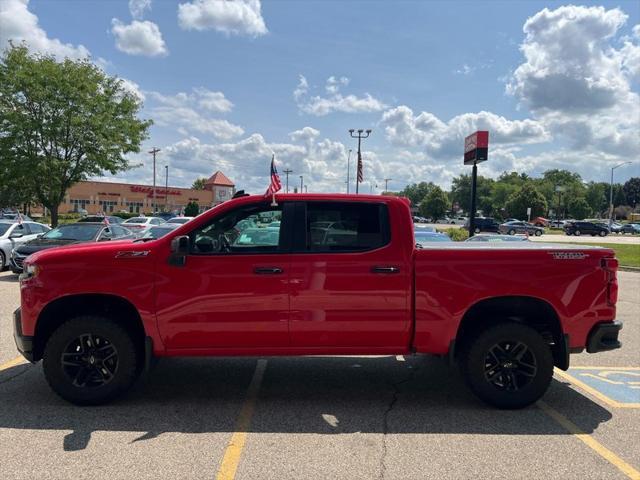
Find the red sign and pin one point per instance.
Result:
(159, 191)
(476, 147)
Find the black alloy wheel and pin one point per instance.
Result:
(510, 365)
(90, 361)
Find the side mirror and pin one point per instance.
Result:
(179, 250)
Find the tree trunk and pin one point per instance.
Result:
(54, 215)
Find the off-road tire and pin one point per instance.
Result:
(124, 372)
(476, 369)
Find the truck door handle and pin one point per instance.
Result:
(267, 270)
(385, 269)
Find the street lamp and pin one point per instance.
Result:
(301, 183)
(611, 192)
(360, 135)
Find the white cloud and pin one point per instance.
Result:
(445, 139)
(18, 24)
(191, 113)
(464, 70)
(138, 38)
(138, 7)
(231, 17)
(133, 88)
(335, 101)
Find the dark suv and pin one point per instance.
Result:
(483, 224)
(587, 228)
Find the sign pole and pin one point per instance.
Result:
(472, 212)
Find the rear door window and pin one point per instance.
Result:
(346, 226)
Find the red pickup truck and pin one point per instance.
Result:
(314, 274)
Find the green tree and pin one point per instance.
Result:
(461, 191)
(191, 210)
(631, 190)
(579, 208)
(417, 191)
(62, 122)
(527, 197)
(597, 197)
(435, 204)
(198, 183)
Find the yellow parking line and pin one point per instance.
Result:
(12, 363)
(600, 396)
(596, 446)
(231, 458)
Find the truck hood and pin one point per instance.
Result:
(38, 244)
(69, 250)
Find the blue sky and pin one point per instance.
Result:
(556, 85)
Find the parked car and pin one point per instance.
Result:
(507, 319)
(424, 228)
(164, 215)
(586, 228)
(140, 225)
(180, 220)
(68, 234)
(159, 231)
(483, 224)
(14, 216)
(101, 218)
(558, 224)
(615, 227)
(13, 234)
(417, 219)
(630, 228)
(512, 228)
(540, 222)
(497, 238)
(423, 237)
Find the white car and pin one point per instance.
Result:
(14, 234)
(180, 220)
(140, 225)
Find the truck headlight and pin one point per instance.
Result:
(30, 270)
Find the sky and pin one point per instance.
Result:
(228, 83)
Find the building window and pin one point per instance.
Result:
(79, 204)
(107, 206)
(134, 207)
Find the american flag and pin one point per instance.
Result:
(360, 174)
(275, 184)
(105, 219)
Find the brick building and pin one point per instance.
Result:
(108, 197)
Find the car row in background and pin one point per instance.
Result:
(586, 228)
(482, 237)
(14, 234)
(517, 226)
(68, 234)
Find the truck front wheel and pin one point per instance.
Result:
(90, 360)
(508, 365)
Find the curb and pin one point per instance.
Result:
(629, 269)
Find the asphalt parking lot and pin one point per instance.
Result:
(335, 417)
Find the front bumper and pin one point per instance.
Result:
(604, 337)
(17, 262)
(23, 342)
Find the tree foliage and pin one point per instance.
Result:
(62, 122)
(416, 192)
(191, 210)
(578, 208)
(631, 190)
(198, 183)
(526, 197)
(435, 204)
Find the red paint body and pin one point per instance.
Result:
(328, 303)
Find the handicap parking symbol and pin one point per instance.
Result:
(619, 386)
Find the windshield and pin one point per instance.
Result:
(136, 220)
(157, 232)
(73, 232)
(180, 220)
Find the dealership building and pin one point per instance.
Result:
(108, 197)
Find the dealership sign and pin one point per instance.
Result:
(476, 147)
(159, 191)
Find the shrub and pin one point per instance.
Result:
(458, 234)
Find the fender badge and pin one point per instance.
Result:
(569, 255)
(132, 254)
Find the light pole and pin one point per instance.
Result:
(360, 135)
(386, 184)
(287, 171)
(611, 192)
(153, 152)
(348, 168)
(301, 182)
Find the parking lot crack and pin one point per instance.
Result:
(385, 418)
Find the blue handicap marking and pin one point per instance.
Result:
(621, 385)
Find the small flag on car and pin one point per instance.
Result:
(275, 185)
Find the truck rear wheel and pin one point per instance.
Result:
(508, 365)
(90, 360)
